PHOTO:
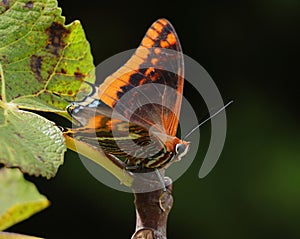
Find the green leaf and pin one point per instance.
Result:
(30, 142)
(19, 199)
(45, 62)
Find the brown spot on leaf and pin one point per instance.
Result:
(63, 71)
(5, 3)
(56, 37)
(28, 5)
(36, 66)
(41, 158)
(70, 92)
(19, 136)
(78, 75)
(4, 59)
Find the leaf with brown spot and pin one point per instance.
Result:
(29, 4)
(45, 64)
(42, 56)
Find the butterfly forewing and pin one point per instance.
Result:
(147, 79)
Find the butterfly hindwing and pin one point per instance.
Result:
(116, 136)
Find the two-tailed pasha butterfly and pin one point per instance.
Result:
(134, 113)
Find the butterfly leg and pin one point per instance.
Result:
(164, 189)
(131, 167)
(126, 169)
(120, 164)
(161, 180)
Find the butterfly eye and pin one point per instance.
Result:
(73, 108)
(180, 148)
(152, 73)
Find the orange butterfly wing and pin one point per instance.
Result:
(147, 90)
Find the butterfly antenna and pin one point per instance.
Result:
(209, 118)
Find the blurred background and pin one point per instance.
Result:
(252, 53)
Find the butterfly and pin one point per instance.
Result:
(133, 114)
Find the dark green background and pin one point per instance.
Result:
(252, 53)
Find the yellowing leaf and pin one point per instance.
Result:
(19, 199)
(7, 235)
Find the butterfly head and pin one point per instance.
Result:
(181, 148)
(82, 114)
(71, 108)
(75, 110)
